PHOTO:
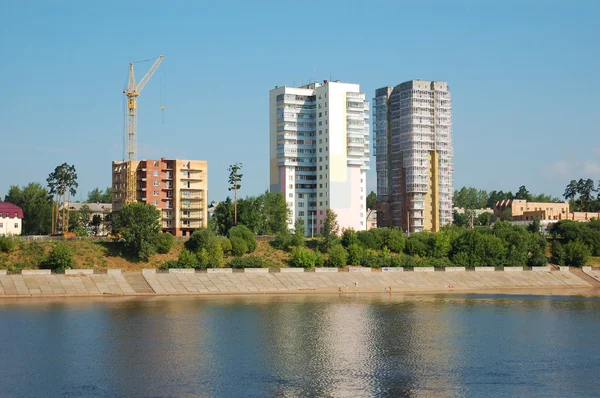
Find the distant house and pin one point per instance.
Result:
(100, 209)
(11, 219)
(371, 219)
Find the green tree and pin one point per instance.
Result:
(62, 183)
(242, 232)
(355, 254)
(59, 258)
(200, 239)
(337, 256)
(164, 242)
(187, 259)
(577, 253)
(96, 195)
(298, 235)
(394, 240)
(275, 213)
(461, 219)
(235, 183)
(484, 219)
(85, 214)
(223, 216)
(36, 203)
(329, 231)
(250, 213)
(372, 201)
(304, 258)
(523, 193)
(239, 247)
(349, 237)
(136, 225)
(75, 221)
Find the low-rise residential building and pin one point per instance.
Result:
(96, 209)
(11, 219)
(522, 210)
(371, 219)
(179, 188)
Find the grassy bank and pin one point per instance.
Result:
(90, 253)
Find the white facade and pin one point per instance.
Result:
(10, 225)
(319, 151)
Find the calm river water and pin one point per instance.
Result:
(293, 346)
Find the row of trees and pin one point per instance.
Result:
(472, 198)
(501, 245)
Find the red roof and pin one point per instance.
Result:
(6, 207)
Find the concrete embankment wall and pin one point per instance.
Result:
(179, 283)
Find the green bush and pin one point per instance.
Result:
(395, 240)
(187, 259)
(169, 264)
(537, 259)
(577, 253)
(297, 238)
(200, 239)
(367, 239)
(164, 242)
(282, 240)
(461, 259)
(239, 247)
(559, 257)
(248, 262)
(211, 257)
(7, 244)
(80, 232)
(349, 237)
(337, 256)
(408, 261)
(241, 231)
(303, 257)
(355, 254)
(395, 261)
(416, 247)
(372, 259)
(146, 250)
(59, 258)
(438, 262)
(319, 258)
(225, 244)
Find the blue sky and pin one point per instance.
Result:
(524, 77)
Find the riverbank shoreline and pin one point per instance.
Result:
(561, 292)
(135, 284)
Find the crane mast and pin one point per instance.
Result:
(132, 92)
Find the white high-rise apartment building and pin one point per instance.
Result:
(319, 152)
(413, 149)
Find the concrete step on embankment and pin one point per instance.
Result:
(589, 279)
(138, 282)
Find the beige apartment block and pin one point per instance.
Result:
(179, 188)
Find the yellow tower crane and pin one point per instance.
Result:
(132, 92)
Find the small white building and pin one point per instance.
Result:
(11, 219)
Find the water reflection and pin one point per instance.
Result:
(337, 346)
